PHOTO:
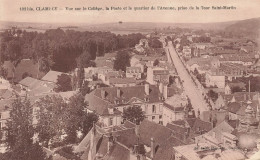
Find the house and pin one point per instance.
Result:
(122, 82)
(243, 59)
(35, 87)
(227, 89)
(7, 93)
(189, 128)
(4, 84)
(206, 151)
(215, 79)
(122, 143)
(109, 102)
(186, 51)
(105, 77)
(174, 108)
(202, 46)
(52, 76)
(147, 60)
(224, 99)
(133, 72)
(202, 64)
(237, 110)
(156, 75)
(231, 85)
(105, 61)
(219, 136)
(215, 116)
(24, 68)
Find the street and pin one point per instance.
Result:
(190, 88)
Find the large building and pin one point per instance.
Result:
(156, 75)
(109, 102)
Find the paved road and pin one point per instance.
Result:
(190, 89)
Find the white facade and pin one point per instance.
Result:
(171, 115)
(215, 80)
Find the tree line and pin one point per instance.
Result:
(58, 49)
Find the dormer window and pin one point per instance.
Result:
(117, 102)
(146, 99)
(111, 110)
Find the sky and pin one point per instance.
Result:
(10, 11)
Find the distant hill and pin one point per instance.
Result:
(243, 27)
(249, 27)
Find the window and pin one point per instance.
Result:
(110, 121)
(154, 109)
(160, 108)
(153, 117)
(160, 116)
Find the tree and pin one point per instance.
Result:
(64, 83)
(156, 62)
(236, 89)
(20, 131)
(75, 113)
(213, 95)
(155, 43)
(13, 52)
(51, 119)
(85, 88)
(134, 114)
(196, 72)
(122, 61)
(80, 76)
(84, 60)
(3, 72)
(89, 119)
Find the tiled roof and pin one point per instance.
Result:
(127, 93)
(240, 96)
(97, 104)
(104, 63)
(121, 80)
(133, 69)
(225, 51)
(28, 81)
(214, 114)
(179, 131)
(234, 107)
(219, 129)
(233, 123)
(165, 151)
(52, 76)
(6, 93)
(201, 126)
(160, 72)
(173, 108)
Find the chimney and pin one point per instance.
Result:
(103, 94)
(161, 87)
(165, 91)
(118, 93)
(152, 148)
(146, 88)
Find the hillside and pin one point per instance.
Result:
(249, 27)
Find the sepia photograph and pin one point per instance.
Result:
(129, 80)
